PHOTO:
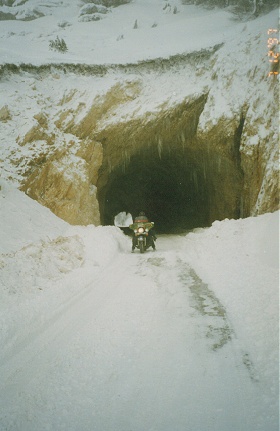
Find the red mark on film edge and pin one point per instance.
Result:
(271, 41)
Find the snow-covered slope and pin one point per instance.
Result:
(26, 220)
(160, 32)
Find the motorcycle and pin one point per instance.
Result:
(143, 239)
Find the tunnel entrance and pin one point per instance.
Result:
(180, 178)
(171, 191)
(178, 190)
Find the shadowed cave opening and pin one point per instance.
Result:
(178, 189)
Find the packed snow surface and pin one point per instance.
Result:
(96, 338)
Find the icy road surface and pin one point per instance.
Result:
(147, 346)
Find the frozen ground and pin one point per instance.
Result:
(96, 338)
(113, 39)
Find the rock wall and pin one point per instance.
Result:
(84, 131)
(66, 183)
(73, 182)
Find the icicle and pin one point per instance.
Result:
(195, 180)
(183, 139)
(219, 163)
(125, 161)
(159, 147)
(241, 207)
(204, 170)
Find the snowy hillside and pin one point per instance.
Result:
(113, 39)
(93, 337)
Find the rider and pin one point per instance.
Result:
(142, 218)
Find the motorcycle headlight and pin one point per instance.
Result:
(141, 230)
(147, 230)
(135, 230)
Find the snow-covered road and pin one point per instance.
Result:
(146, 345)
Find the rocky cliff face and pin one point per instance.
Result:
(178, 137)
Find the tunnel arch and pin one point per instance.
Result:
(162, 166)
(179, 190)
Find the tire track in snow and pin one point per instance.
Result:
(205, 302)
(215, 326)
(176, 277)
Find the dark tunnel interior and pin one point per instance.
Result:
(174, 190)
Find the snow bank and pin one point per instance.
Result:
(42, 264)
(25, 221)
(38, 248)
(44, 261)
(101, 243)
